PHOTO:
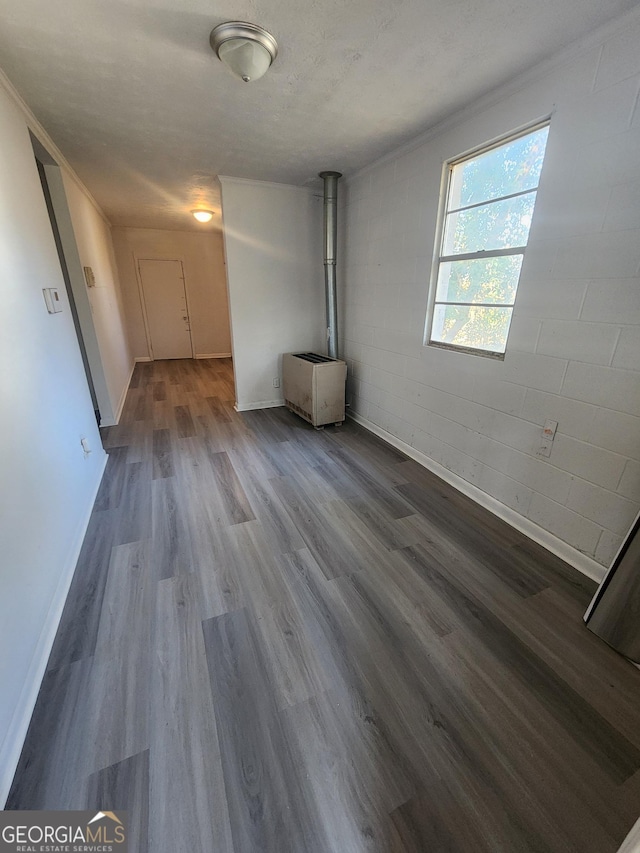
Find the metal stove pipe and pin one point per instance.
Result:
(330, 239)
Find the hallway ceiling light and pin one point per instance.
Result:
(203, 215)
(246, 49)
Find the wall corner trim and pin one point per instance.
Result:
(566, 552)
(11, 748)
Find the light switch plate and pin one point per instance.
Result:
(52, 299)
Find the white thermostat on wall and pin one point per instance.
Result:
(52, 300)
(89, 276)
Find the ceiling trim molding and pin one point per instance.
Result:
(511, 87)
(43, 137)
(229, 179)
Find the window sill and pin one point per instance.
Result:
(497, 356)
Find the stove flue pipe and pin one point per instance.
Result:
(330, 239)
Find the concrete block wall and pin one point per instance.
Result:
(574, 347)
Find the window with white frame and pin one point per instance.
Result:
(486, 218)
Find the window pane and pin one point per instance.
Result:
(511, 168)
(471, 326)
(479, 280)
(497, 225)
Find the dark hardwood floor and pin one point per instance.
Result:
(279, 639)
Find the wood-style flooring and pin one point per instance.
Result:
(281, 639)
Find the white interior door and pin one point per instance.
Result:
(166, 308)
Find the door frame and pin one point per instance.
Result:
(147, 256)
(64, 236)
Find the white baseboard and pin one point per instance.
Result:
(198, 355)
(552, 543)
(265, 404)
(19, 725)
(631, 844)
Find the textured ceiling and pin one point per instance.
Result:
(134, 97)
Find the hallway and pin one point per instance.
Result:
(281, 639)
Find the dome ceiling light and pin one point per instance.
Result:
(246, 49)
(203, 215)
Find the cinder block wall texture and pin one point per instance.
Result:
(574, 348)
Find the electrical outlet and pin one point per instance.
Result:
(276, 382)
(85, 446)
(548, 436)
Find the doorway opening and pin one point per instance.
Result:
(67, 284)
(72, 273)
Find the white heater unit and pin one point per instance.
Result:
(314, 387)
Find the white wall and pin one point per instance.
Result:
(273, 244)
(205, 281)
(574, 349)
(47, 485)
(95, 249)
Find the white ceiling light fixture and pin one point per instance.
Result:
(246, 49)
(203, 215)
